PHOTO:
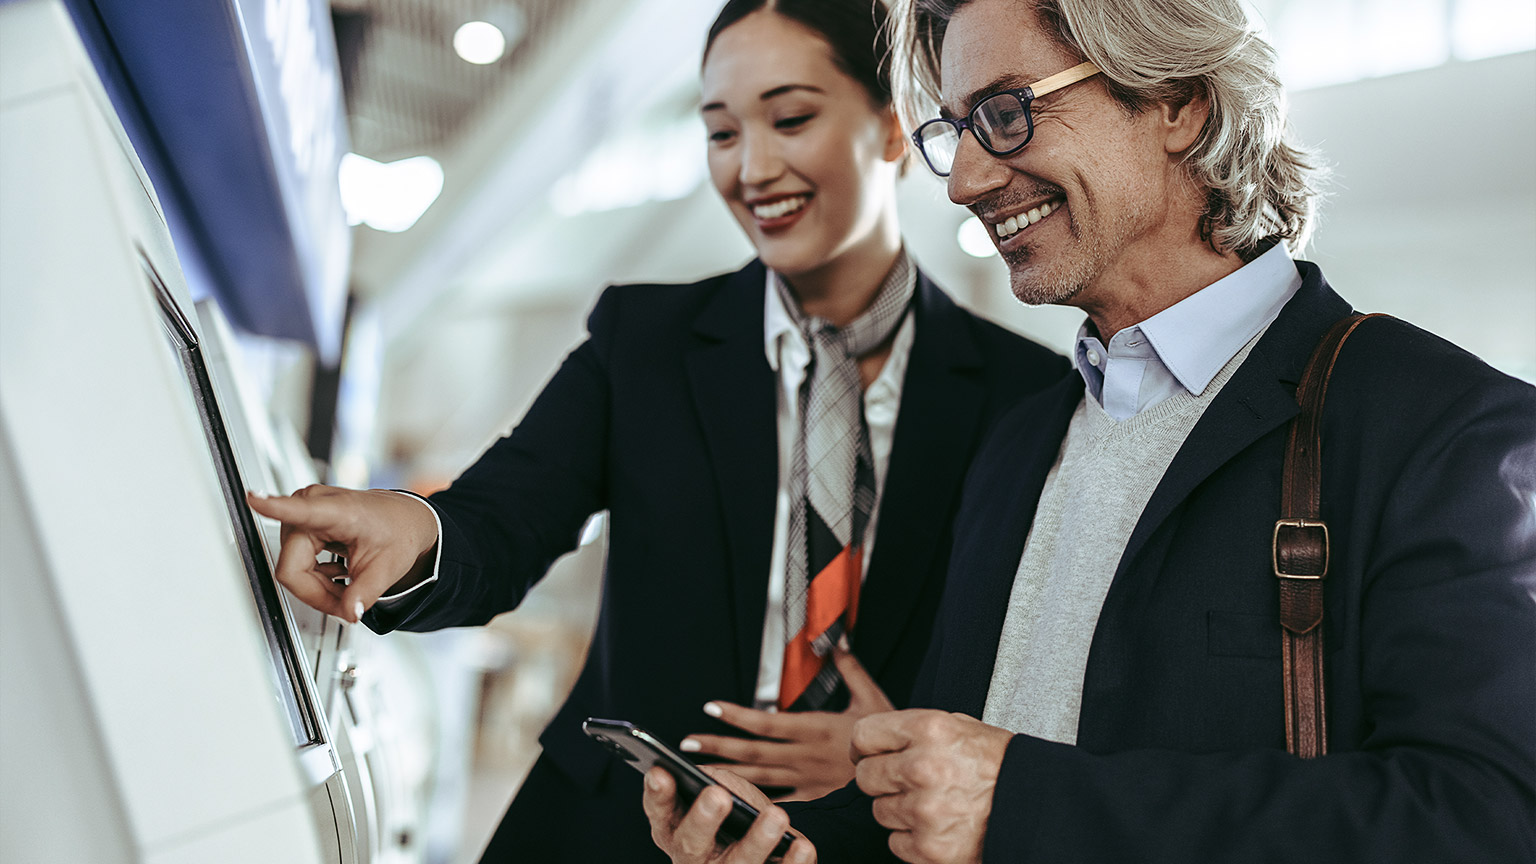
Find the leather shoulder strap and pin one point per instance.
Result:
(1301, 549)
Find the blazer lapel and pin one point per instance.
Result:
(734, 393)
(989, 541)
(936, 431)
(1258, 398)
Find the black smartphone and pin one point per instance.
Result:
(642, 750)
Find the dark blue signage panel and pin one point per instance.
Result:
(235, 108)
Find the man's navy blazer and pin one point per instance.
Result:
(666, 418)
(1429, 491)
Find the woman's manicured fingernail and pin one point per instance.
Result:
(712, 709)
(652, 781)
(842, 642)
(357, 611)
(690, 745)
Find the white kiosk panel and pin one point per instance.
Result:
(127, 525)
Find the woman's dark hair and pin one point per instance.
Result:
(855, 29)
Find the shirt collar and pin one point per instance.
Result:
(1197, 336)
(778, 320)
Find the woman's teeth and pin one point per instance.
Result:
(1024, 220)
(781, 207)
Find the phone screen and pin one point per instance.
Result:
(643, 750)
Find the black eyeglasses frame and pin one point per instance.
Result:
(1025, 95)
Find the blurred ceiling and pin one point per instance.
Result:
(408, 92)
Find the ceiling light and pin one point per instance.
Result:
(480, 42)
(388, 196)
(974, 238)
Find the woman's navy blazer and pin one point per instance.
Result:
(665, 417)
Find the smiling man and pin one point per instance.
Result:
(1123, 662)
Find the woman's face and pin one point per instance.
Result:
(803, 159)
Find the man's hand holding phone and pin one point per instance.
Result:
(689, 837)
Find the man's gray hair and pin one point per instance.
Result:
(1260, 183)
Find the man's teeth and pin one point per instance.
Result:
(1024, 220)
(782, 207)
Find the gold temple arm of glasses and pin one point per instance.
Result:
(1062, 79)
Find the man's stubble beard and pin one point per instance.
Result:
(1078, 266)
(1037, 287)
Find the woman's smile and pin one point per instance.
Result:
(774, 214)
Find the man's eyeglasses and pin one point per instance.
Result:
(1001, 122)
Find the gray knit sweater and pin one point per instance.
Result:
(1092, 499)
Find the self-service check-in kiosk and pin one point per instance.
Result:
(160, 703)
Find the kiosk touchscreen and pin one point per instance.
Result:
(356, 672)
(286, 666)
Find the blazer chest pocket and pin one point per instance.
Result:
(1242, 634)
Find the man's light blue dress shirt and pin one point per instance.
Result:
(1185, 345)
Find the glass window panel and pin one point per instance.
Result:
(1488, 28)
(1324, 42)
(1316, 42)
(1402, 35)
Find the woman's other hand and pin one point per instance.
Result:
(806, 752)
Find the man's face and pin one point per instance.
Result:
(1105, 174)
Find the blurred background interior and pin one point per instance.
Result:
(405, 209)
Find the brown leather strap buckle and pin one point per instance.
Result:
(1300, 549)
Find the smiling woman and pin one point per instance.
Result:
(802, 134)
(752, 436)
